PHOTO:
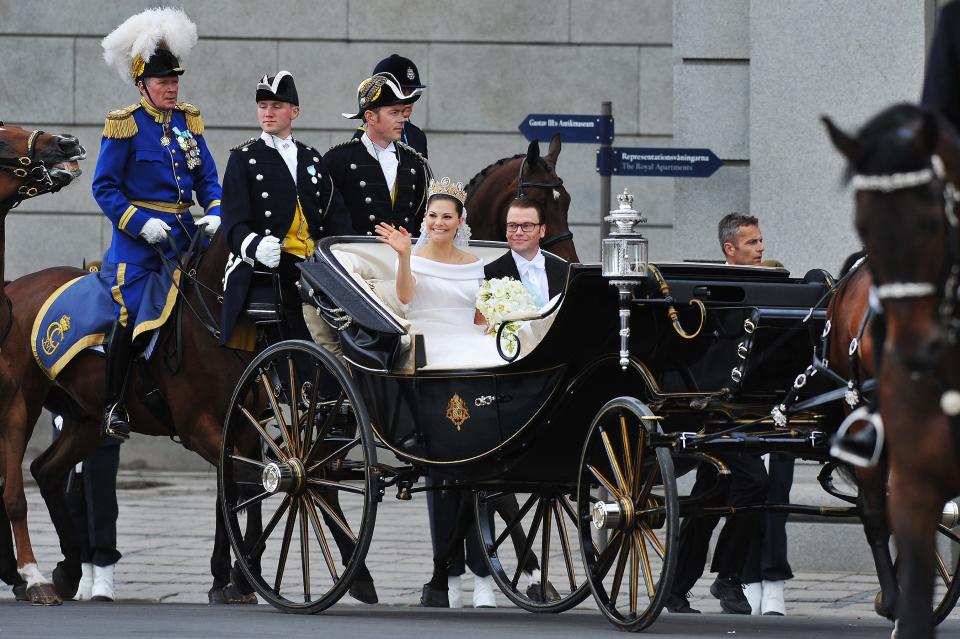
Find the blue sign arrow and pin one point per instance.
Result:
(589, 129)
(654, 162)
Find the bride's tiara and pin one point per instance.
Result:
(446, 186)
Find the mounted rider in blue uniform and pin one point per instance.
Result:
(153, 162)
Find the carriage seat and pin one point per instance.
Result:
(372, 266)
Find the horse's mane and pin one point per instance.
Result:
(888, 142)
(477, 179)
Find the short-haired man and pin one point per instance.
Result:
(525, 261)
(381, 178)
(408, 79)
(740, 239)
(278, 199)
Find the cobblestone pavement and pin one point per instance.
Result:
(166, 527)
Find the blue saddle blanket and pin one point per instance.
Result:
(80, 315)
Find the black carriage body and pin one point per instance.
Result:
(525, 421)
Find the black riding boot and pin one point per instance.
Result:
(116, 422)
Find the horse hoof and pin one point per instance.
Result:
(880, 608)
(535, 593)
(364, 591)
(43, 595)
(230, 595)
(64, 583)
(434, 597)
(20, 592)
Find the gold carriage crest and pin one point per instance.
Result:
(55, 332)
(457, 411)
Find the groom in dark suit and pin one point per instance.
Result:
(525, 261)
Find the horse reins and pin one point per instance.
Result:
(31, 170)
(563, 236)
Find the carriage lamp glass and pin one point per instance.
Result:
(624, 251)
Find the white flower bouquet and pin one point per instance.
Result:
(501, 299)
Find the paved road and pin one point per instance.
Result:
(185, 621)
(166, 528)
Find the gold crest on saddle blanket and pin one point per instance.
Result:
(457, 411)
(55, 332)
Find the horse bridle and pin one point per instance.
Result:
(562, 236)
(34, 172)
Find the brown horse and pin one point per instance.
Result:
(492, 189)
(905, 163)
(32, 163)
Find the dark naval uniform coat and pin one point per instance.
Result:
(260, 199)
(506, 266)
(358, 175)
(138, 177)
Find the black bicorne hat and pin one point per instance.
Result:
(377, 91)
(279, 87)
(403, 69)
(161, 64)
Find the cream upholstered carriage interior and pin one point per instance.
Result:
(373, 268)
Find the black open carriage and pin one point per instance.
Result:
(571, 449)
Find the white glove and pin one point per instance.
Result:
(268, 251)
(209, 224)
(154, 231)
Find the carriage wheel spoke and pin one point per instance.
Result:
(627, 461)
(293, 397)
(275, 407)
(647, 570)
(612, 458)
(516, 522)
(654, 541)
(311, 411)
(618, 572)
(606, 482)
(257, 548)
(335, 485)
(242, 471)
(565, 545)
(285, 546)
(332, 513)
(605, 558)
(263, 433)
(648, 486)
(256, 499)
(942, 569)
(545, 547)
(638, 454)
(528, 544)
(305, 551)
(327, 423)
(634, 575)
(322, 539)
(343, 450)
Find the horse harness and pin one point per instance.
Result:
(563, 236)
(33, 171)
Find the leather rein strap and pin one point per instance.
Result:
(33, 172)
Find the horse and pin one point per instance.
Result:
(904, 164)
(533, 176)
(32, 163)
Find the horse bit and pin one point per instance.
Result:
(27, 166)
(553, 239)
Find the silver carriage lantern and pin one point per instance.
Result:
(624, 250)
(624, 255)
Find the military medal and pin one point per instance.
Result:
(189, 146)
(165, 139)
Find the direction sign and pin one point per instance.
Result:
(589, 129)
(656, 162)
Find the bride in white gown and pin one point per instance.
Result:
(438, 282)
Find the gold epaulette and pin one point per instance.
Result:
(120, 124)
(194, 121)
(243, 144)
(412, 151)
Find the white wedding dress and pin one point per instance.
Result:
(443, 310)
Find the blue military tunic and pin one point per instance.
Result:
(137, 178)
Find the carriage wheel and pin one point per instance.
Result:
(627, 507)
(541, 528)
(946, 586)
(297, 487)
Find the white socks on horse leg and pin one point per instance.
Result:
(32, 575)
(85, 587)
